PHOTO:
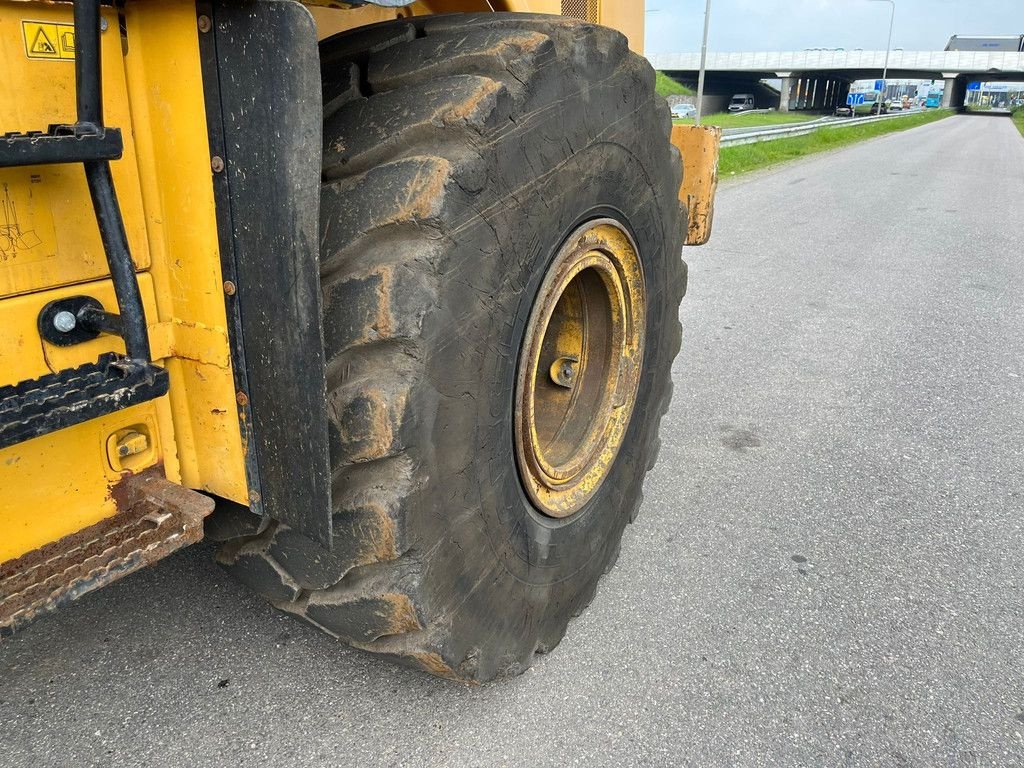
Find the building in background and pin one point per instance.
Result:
(1008, 43)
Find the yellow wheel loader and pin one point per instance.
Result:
(381, 297)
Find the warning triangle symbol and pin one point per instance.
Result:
(42, 44)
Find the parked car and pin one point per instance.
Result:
(684, 110)
(741, 102)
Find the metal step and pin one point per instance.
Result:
(58, 400)
(60, 144)
(34, 408)
(158, 517)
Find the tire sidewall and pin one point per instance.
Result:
(605, 180)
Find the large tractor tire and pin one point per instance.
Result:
(501, 239)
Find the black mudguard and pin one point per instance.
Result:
(261, 77)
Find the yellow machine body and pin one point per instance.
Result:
(54, 485)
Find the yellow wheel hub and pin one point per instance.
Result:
(579, 368)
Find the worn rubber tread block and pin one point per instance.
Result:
(373, 602)
(508, 54)
(264, 576)
(395, 123)
(408, 191)
(386, 304)
(340, 86)
(369, 524)
(363, 619)
(357, 44)
(231, 521)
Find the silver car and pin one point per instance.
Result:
(683, 111)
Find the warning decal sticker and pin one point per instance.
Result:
(26, 221)
(44, 40)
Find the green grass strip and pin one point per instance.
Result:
(741, 120)
(1018, 119)
(666, 86)
(744, 158)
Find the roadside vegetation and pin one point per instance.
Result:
(666, 86)
(751, 120)
(1018, 119)
(744, 158)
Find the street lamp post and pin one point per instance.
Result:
(703, 64)
(888, 47)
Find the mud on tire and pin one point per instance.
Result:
(459, 154)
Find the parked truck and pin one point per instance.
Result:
(382, 298)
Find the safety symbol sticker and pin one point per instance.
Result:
(45, 40)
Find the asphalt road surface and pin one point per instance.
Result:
(828, 569)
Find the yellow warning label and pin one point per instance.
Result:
(45, 40)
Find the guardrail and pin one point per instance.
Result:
(752, 135)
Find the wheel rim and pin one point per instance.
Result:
(579, 367)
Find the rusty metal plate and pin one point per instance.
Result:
(699, 146)
(156, 517)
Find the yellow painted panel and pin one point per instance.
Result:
(627, 16)
(59, 483)
(169, 114)
(48, 233)
(23, 355)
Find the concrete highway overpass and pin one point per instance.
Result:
(821, 79)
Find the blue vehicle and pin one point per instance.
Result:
(934, 100)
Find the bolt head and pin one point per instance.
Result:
(65, 321)
(205, 25)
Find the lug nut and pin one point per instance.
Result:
(563, 371)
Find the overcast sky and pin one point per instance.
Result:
(675, 26)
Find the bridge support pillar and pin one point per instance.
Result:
(785, 92)
(955, 91)
(947, 92)
(842, 91)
